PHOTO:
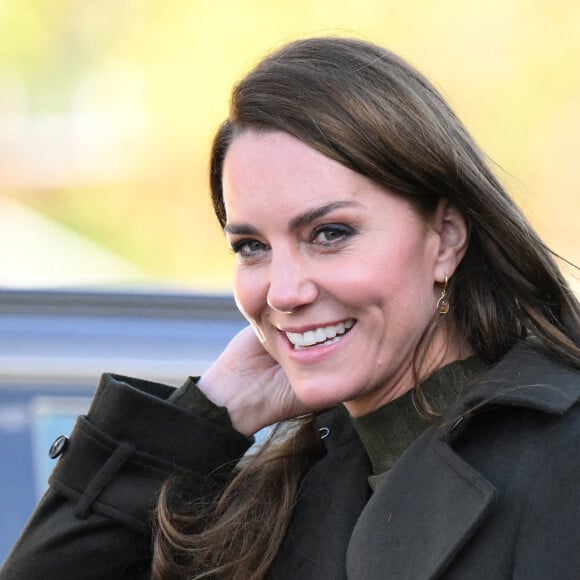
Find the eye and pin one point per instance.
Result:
(330, 234)
(248, 247)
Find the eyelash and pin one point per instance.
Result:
(344, 232)
(237, 247)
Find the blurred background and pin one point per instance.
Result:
(108, 107)
(110, 256)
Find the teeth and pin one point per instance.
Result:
(320, 335)
(309, 338)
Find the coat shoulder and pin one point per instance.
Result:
(527, 377)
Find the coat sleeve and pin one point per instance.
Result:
(549, 534)
(95, 520)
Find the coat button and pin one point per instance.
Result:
(58, 447)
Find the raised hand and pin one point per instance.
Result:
(250, 384)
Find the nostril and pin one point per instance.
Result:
(287, 296)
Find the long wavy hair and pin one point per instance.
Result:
(365, 107)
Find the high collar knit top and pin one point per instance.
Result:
(388, 431)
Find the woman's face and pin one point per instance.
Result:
(337, 275)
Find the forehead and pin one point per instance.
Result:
(259, 155)
(278, 168)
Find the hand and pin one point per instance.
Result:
(250, 384)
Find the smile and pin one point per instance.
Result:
(320, 336)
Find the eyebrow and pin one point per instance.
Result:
(296, 223)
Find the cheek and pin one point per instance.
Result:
(249, 294)
(399, 281)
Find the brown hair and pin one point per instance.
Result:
(364, 107)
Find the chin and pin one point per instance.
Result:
(317, 398)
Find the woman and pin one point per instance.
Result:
(410, 334)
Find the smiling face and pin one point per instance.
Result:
(338, 276)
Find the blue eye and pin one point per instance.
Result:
(330, 234)
(248, 247)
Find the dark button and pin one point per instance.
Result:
(58, 447)
(324, 432)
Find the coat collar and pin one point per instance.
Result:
(432, 502)
(527, 376)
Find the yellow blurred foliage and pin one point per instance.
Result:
(146, 83)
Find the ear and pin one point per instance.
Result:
(453, 231)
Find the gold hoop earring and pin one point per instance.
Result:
(443, 302)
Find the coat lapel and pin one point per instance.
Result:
(432, 502)
(420, 517)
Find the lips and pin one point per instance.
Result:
(321, 335)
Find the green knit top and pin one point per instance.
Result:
(388, 431)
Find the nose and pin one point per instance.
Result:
(291, 284)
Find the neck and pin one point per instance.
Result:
(441, 347)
